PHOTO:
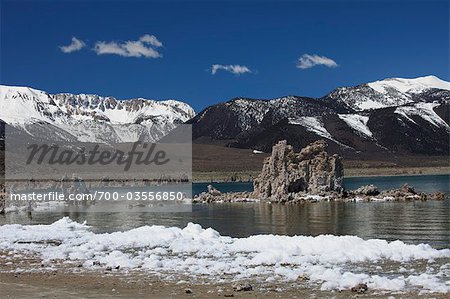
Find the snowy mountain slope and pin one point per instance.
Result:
(415, 128)
(248, 116)
(91, 118)
(120, 112)
(358, 123)
(424, 111)
(388, 92)
(312, 124)
(392, 115)
(417, 85)
(357, 119)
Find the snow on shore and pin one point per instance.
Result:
(329, 262)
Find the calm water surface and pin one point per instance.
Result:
(422, 183)
(411, 222)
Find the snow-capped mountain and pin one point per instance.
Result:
(416, 85)
(388, 92)
(392, 115)
(243, 116)
(90, 118)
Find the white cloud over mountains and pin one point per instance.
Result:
(75, 45)
(307, 61)
(232, 68)
(148, 46)
(145, 46)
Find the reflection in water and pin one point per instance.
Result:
(412, 222)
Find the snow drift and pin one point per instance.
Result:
(330, 262)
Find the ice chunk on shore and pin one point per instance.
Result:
(330, 262)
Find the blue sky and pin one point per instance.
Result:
(349, 42)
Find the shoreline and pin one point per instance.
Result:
(394, 175)
(116, 285)
(60, 279)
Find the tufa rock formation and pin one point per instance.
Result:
(311, 171)
(369, 190)
(310, 175)
(214, 195)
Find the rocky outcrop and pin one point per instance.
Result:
(308, 176)
(213, 191)
(367, 190)
(404, 193)
(311, 171)
(214, 195)
(407, 192)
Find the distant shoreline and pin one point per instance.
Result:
(248, 176)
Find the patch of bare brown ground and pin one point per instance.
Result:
(58, 284)
(220, 163)
(28, 277)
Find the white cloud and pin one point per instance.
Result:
(307, 61)
(232, 68)
(144, 47)
(151, 39)
(75, 45)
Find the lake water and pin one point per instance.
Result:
(422, 183)
(411, 222)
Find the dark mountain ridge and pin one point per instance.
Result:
(392, 116)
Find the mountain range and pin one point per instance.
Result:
(400, 116)
(90, 118)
